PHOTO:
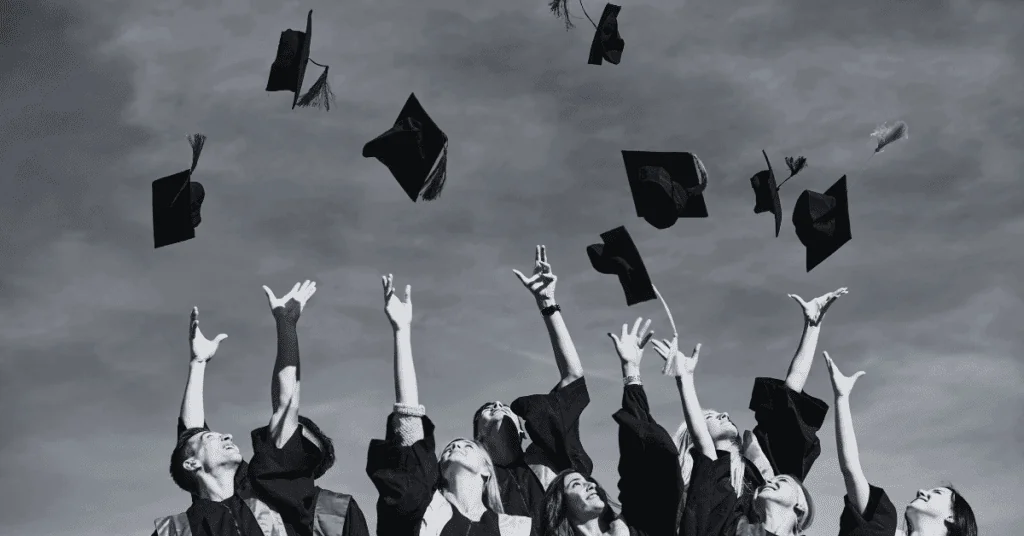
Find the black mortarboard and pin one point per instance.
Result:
(410, 148)
(766, 193)
(822, 222)
(323, 445)
(177, 202)
(619, 256)
(289, 68)
(666, 186)
(607, 44)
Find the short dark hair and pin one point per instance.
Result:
(326, 447)
(182, 451)
(964, 523)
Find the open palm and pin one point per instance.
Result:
(399, 311)
(814, 310)
(203, 349)
(841, 385)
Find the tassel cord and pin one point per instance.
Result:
(587, 14)
(317, 64)
(779, 187)
(197, 141)
(675, 333)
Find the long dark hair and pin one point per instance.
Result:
(963, 524)
(555, 516)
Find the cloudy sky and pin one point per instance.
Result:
(98, 98)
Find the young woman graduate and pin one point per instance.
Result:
(941, 511)
(421, 494)
(786, 433)
(649, 481)
(551, 419)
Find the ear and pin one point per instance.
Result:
(191, 465)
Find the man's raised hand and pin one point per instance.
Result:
(814, 310)
(290, 306)
(203, 349)
(542, 283)
(399, 311)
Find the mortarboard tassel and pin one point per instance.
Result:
(888, 134)
(319, 94)
(795, 165)
(560, 9)
(197, 141)
(435, 182)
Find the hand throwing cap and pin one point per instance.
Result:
(410, 150)
(289, 69)
(766, 193)
(177, 202)
(618, 255)
(607, 44)
(822, 222)
(666, 186)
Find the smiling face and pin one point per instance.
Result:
(782, 490)
(463, 454)
(581, 497)
(495, 418)
(935, 504)
(212, 450)
(720, 426)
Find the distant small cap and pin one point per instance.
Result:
(618, 256)
(822, 222)
(607, 44)
(415, 149)
(666, 186)
(766, 193)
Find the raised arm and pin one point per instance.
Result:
(682, 368)
(542, 285)
(284, 383)
(857, 489)
(814, 313)
(409, 425)
(192, 413)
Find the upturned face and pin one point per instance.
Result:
(782, 490)
(720, 426)
(462, 454)
(497, 418)
(935, 503)
(212, 450)
(581, 497)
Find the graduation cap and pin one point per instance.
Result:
(618, 255)
(766, 193)
(410, 149)
(289, 68)
(666, 186)
(321, 443)
(177, 201)
(822, 222)
(607, 44)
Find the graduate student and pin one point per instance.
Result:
(275, 495)
(940, 511)
(551, 419)
(786, 433)
(421, 493)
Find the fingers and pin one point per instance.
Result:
(857, 374)
(270, 294)
(643, 330)
(646, 339)
(797, 299)
(218, 338)
(636, 326)
(194, 317)
(408, 294)
(625, 330)
(839, 292)
(828, 360)
(696, 352)
(522, 278)
(543, 255)
(536, 254)
(614, 338)
(295, 288)
(661, 348)
(389, 288)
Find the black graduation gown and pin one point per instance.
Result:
(880, 518)
(406, 479)
(650, 485)
(787, 431)
(553, 423)
(711, 503)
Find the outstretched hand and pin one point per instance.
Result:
(290, 306)
(630, 345)
(841, 385)
(399, 311)
(203, 349)
(814, 310)
(542, 283)
(676, 363)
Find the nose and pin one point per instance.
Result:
(724, 416)
(921, 494)
(226, 437)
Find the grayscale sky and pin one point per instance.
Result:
(98, 98)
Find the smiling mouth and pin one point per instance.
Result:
(230, 447)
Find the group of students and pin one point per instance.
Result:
(706, 479)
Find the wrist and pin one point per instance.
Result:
(197, 363)
(630, 369)
(545, 302)
(401, 330)
(285, 322)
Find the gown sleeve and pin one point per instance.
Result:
(879, 518)
(281, 478)
(355, 521)
(553, 422)
(405, 477)
(711, 503)
(787, 426)
(650, 483)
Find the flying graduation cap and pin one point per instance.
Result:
(289, 68)
(410, 149)
(766, 190)
(177, 201)
(607, 44)
(822, 222)
(618, 256)
(666, 186)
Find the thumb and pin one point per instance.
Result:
(858, 374)
(218, 338)
(269, 293)
(522, 278)
(408, 294)
(614, 338)
(797, 299)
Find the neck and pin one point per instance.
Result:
(591, 527)
(503, 451)
(927, 527)
(727, 445)
(779, 520)
(219, 484)
(465, 491)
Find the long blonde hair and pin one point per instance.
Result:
(684, 441)
(492, 493)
